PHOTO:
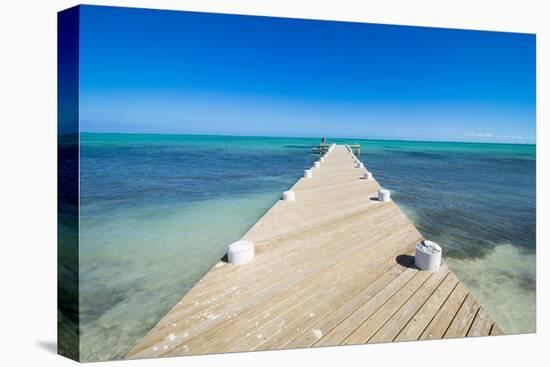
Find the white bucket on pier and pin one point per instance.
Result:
(240, 252)
(289, 196)
(383, 195)
(308, 173)
(427, 256)
(317, 164)
(368, 176)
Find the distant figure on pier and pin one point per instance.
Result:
(323, 140)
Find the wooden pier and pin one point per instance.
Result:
(333, 267)
(323, 148)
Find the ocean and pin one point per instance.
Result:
(157, 211)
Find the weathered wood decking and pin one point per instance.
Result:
(333, 267)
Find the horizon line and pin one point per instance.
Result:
(302, 137)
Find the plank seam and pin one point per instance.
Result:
(422, 305)
(473, 320)
(355, 309)
(454, 317)
(435, 314)
(405, 303)
(386, 301)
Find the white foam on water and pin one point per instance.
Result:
(503, 281)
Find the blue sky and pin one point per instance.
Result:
(178, 72)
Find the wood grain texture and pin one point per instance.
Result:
(333, 267)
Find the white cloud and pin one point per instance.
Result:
(502, 138)
(518, 137)
(479, 135)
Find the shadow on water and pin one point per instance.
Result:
(419, 154)
(297, 146)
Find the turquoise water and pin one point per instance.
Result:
(158, 210)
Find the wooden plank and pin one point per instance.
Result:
(422, 318)
(496, 330)
(463, 319)
(368, 328)
(394, 325)
(347, 326)
(327, 323)
(482, 324)
(441, 321)
(304, 318)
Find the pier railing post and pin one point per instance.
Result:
(383, 195)
(240, 252)
(428, 256)
(289, 196)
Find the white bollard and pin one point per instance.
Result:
(322, 159)
(317, 164)
(368, 176)
(383, 195)
(308, 173)
(240, 252)
(359, 165)
(289, 196)
(427, 256)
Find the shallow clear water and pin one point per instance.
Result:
(158, 210)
